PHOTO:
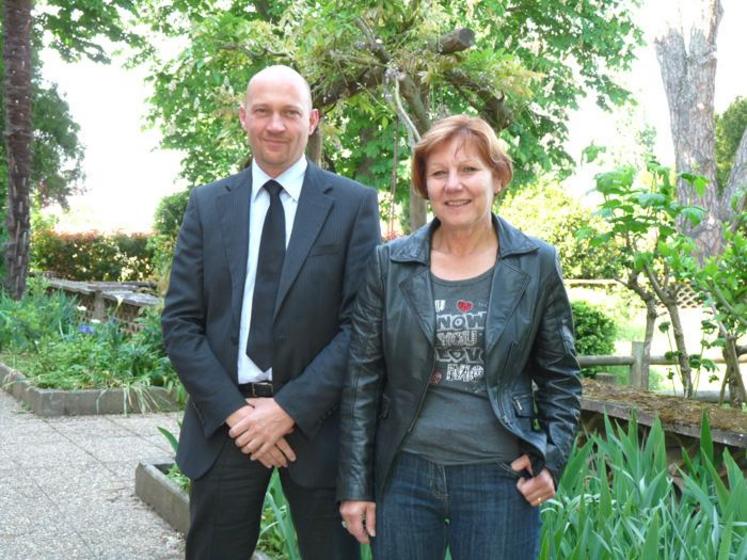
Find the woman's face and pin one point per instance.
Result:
(460, 185)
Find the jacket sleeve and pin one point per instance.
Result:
(554, 368)
(211, 391)
(322, 379)
(362, 389)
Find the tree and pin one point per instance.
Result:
(382, 71)
(17, 61)
(730, 127)
(686, 50)
(73, 28)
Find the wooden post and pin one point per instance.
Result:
(638, 377)
(99, 306)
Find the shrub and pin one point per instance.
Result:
(595, 332)
(92, 255)
(546, 211)
(166, 224)
(25, 323)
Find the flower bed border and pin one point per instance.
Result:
(57, 402)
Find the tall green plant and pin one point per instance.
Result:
(618, 500)
(642, 213)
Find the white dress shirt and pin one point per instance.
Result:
(291, 180)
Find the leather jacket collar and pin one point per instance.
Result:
(417, 247)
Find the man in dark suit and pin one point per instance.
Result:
(256, 323)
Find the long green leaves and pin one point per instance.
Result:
(618, 500)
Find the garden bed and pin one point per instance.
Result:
(678, 415)
(166, 498)
(57, 402)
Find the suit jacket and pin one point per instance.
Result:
(335, 231)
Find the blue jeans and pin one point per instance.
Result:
(475, 510)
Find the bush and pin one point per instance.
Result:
(166, 224)
(595, 333)
(38, 316)
(546, 211)
(92, 255)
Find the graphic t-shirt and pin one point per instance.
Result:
(457, 424)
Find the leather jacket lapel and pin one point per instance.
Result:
(418, 292)
(509, 284)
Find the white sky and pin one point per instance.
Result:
(127, 174)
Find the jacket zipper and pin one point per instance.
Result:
(422, 397)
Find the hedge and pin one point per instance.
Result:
(92, 255)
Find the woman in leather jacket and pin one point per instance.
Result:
(463, 391)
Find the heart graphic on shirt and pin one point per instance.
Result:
(464, 306)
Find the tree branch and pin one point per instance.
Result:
(454, 41)
(494, 106)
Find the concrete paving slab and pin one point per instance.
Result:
(147, 425)
(61, 483)
(89, 426)
(129, 532)
(123, 470)
(118, 448)
(48, 454)
(48, 545)
(32, 432)
(160, 442)
(67, 488)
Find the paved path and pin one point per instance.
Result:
(67, 487)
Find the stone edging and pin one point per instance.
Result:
(56, 402)
(166, 498)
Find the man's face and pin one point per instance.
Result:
(278, 119)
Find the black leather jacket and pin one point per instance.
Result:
(528, 338)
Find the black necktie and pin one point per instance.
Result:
(269, 265)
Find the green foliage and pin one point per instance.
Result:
(545, 210)
(595, 333)
(642, 215)
(521, 59)
(730, 127)
(46, 337)
(166, 224)
(38, 316)
(76, 29)
(115, 257)
(618, 500)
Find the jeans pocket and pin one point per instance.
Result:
(506, 469)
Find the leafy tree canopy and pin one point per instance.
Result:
(523, 69)
(730, 127)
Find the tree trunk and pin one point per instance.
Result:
(688, 69)
(17, 59)
(683, 358)
(651, 315)
(315, 144)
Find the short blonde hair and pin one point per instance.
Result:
(470, 129)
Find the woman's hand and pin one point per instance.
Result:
(359, 518)
(537, 489)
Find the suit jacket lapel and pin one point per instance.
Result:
(508, 286)
(312, 211)
(233, 209)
